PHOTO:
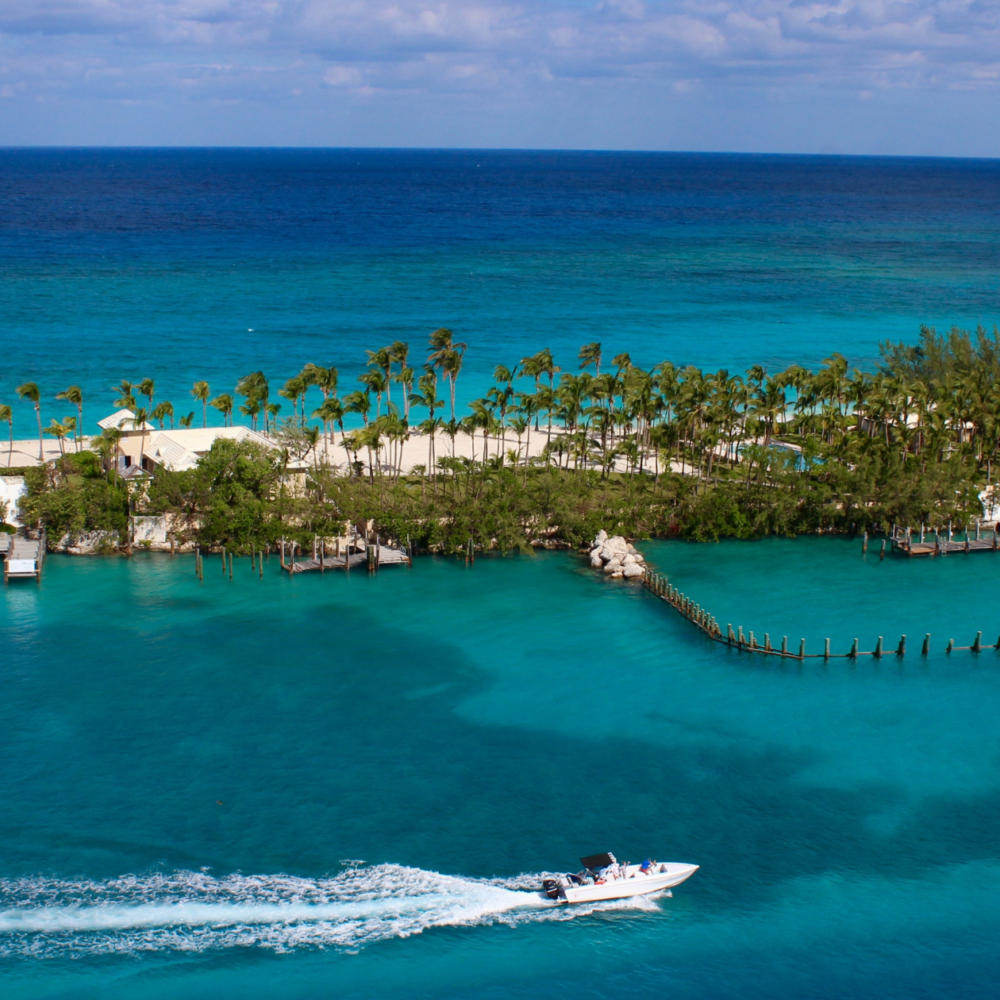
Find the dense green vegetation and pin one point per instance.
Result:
(666, 450)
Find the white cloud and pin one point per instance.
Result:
(138, 45)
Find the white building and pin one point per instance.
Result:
(149, 448)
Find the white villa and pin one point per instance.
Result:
(147, 448)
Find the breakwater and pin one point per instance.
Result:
(747, 641)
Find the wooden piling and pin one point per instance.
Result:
(802, 649)
(878, 649)
(784, 645)
(881, 554)
(926, 647)
(826, 649)
(853, 654)
(230, 565)
(901, 648)
(864, 543)
(223, 562)
(767, 642)
(730, 634)
(951, 645)
(978, 644)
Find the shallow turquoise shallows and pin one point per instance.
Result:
(342, 786)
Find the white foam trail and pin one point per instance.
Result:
(194, 911)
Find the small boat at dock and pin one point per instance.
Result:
(603, 878)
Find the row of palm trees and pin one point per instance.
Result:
(598, 416)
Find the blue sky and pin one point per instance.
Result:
(876, 76)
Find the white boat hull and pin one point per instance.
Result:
(664, 875)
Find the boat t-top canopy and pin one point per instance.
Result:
(598, 861)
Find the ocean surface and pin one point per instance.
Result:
(332, 787)
(207, 264)
(335, 786)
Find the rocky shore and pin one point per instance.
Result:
(616, 556)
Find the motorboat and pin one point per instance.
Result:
(603, 877)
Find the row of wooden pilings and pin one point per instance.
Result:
(700, 617)
(256, 563)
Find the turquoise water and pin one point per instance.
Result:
(340, 787)
(208, 264)
(333, 787)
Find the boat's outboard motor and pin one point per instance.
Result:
(551, 887)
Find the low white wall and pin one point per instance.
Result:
(11, 488)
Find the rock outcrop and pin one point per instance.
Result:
(615, 556)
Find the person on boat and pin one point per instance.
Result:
(608, 874)
(646, 868)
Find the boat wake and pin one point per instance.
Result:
(195, 911)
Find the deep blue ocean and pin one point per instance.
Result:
(206, 264)
(344, 787)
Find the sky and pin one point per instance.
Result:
(904, 77)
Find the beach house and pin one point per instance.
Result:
(144, 448)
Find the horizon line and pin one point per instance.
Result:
(579, 151)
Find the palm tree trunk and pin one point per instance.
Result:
(41, 445)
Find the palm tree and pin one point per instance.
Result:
(352, 445)
(58, 430)
(399, 351)
(427, 384)
(184, 422)
(251, 409)
(325, 379)
(294, 389)
(74, 395)
(147, 388)
(255, 388)
(107, 444)
(201, 391)
(527, 404)
(531, 367)
(519, 425)
(360, 403)
(224, 404)
(30, 391)
(375, 381)
(331, 411)
(7, 413)
(163, 411)
(139, 420)
(382, 361)
(126, 395)
(447, 355)
(590, 354)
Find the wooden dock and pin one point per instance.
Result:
(924, 541)
(373, 556)
(747, 641)
(22, 556)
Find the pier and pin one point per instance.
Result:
(22, 556)
(373, 556)
(747, 642)
(940, 541)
